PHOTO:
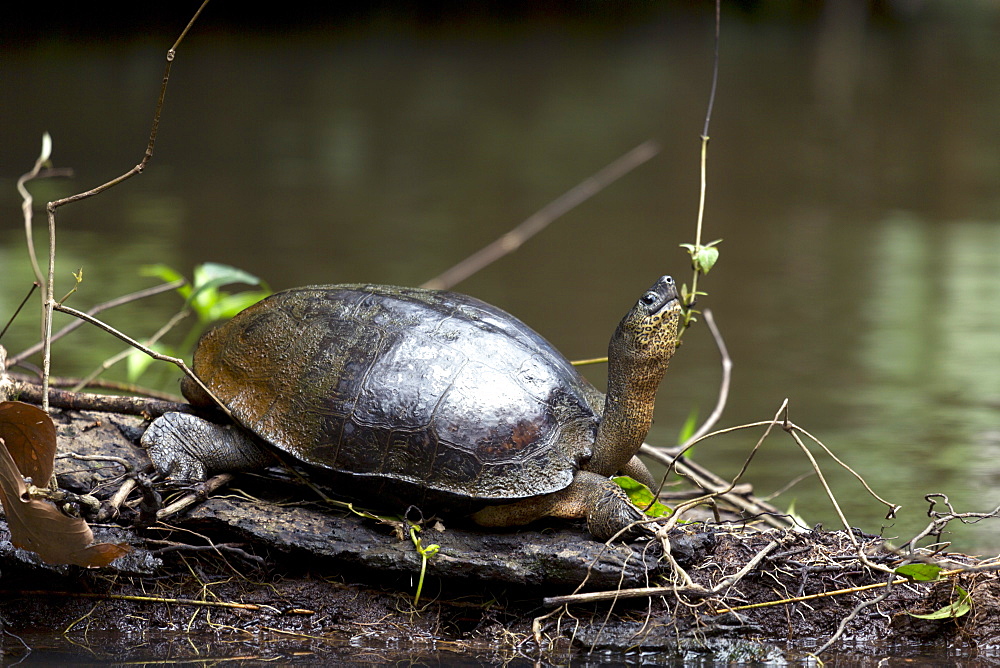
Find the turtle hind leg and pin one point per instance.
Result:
(590, 496)
(636, 469)
(184, 447)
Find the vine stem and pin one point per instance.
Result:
(701, 205)
(693, 295)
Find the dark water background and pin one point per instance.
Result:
(854, 175)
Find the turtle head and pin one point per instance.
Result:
(649, 331)
(638, 356)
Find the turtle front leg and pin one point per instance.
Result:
(604, 504)
(184, 447)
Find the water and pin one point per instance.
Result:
(853, 175)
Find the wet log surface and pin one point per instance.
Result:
(266, 565)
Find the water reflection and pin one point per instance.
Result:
(388, 152)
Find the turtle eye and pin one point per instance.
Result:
(649, 298)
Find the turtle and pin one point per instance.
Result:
(433, 399)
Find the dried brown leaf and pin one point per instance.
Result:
(30, 436)
(37, 525)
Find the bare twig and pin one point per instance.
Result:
(823, 594)
(34, 286)
(147, 156)
(199, 494)
(103, 306)
(730, 580)
(232, 548)
(691, 590)
(114, 359)
(673, 459)
(513, 239)
(148, 407)
(854, 613)
(822, 479)
(27, 201)
(49, 302)
(149, 351)
(121, 461)
(101, 384)
(893, 508)
(727, 373)
(941, 519)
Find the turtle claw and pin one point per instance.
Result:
(613, 516)
(168, 444)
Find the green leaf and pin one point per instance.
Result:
(203, 294)
(706, 259)
(953, 610)
(795, 517)
(703, 258)
(919, 572)
(216, 274)
(687, 429)
(208, 278)
(641, 496)
(46, 147)
(167, 275)
(229, 305)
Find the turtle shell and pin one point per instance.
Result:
(415, 394)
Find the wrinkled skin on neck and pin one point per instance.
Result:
(638, 356)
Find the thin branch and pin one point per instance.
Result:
(49, 301)
(696, 590)
(103, 306)
(200, 493)
(673, 459)
(149, 351)
(715, 69)
(704, 164)
(822, 479)
(218, 548)
(31, 291)
(854, 613)
(147, 156)
(718, 487)
(892, 506)
(941, 520)
(114, 359)
(727, 374)
(823, 594)
(108, 403)
(513, 239)
(27, 201)
(100, 384)
(730, 580)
